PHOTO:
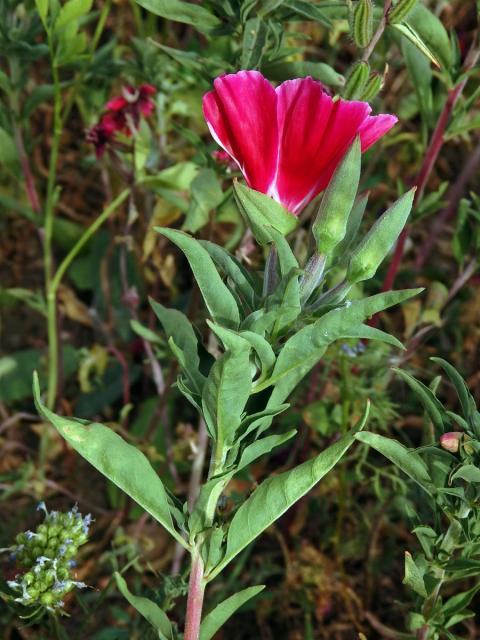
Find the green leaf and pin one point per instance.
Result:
(218, 298)
(286, 257)
(214, 620)
(225, 394)
(42, 8)
(414, 576)
(262, 446)
(374, 247)
(120, 462)
(178, 327)
(232, 340)
(148, 609)
(309, 10)
(411, 34)
(260, 211)
(467, 401)
(275, 496)
(234, 270)
(432, 405)
(458, 602)
(405, 459)
(366, 332)
(307, 346)
(432, 32)
(206, 194)
(421, 77)
(72, 10)
(320, 71)
(254, 40)
(330, 224)
(178, 11)
(468, 472)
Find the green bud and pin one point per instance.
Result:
(373, 87)
(337, 201)
(374, 247)
(400, 10)
(28, 578)
(42, 528)
(362, 23)
(356, 80)
(47, 599)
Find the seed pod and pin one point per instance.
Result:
(371, 251)
(356, 81)
(362, 23)
(330, 223)
(372, 87)
(400, 11)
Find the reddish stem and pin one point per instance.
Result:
(434, 148)
(196, 590)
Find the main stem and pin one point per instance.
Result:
(47, 240)
(196, 590)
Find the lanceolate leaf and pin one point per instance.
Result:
(178, 327)
(120, 462)
(148, 609)
(306, 347)
(254, 39)
(432, 32)
(432, 405)
(466, 399)
(218, 298)
(234, 270)
(262, 446)
(405, 459)
(214, 620)
(226, 393)
(180, 11)
(274, 496)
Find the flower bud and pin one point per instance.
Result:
(400, 10)
(374, 247)
(330, 224)
(451, 441)
(373, 87)
(362, 23)
(356, 81)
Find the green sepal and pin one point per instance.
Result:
(260, 211)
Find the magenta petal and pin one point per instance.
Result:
(374, 127)
(241, 115)
(304, 112)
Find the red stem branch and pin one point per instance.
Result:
(196, 590)
(431, 156)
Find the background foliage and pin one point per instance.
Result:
(334, 564)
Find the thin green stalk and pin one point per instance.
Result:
(48, 233)
(87, 234)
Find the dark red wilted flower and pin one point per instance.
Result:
(122, 115)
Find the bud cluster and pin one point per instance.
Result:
(46, 556)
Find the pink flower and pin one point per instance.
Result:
(289, 140)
